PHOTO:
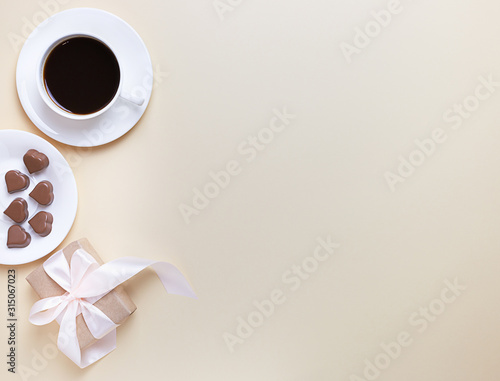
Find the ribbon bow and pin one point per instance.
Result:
(85, 282)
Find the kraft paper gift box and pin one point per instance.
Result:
(117, 305)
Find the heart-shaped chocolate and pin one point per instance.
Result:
(17, 237)
(18, 210)
(16, 181)
(43, 193)
(35, 161)
(42, 223)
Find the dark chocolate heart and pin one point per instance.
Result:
(17, 237)
(43, 193)
(42, 223)
(35, 161)
(16, 181)
(18, 210)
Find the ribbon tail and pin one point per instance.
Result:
(67, 340)
(98, 350)
(97, 322)
(173, 280)
(112, 274)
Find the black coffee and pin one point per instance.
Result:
(81, 75)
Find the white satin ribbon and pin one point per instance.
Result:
(85, 282)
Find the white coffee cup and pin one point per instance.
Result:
(120, 93)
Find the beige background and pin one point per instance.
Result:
(323, 175)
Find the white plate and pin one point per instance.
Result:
(13, 146)
(135, 62)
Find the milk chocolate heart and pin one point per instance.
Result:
(42, 223)
(16, 181)
(35, 161)
(17, 237)
(43, 193)
(18, 210)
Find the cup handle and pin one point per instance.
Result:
(138, 101)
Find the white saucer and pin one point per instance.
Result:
(13, 146)
(137, 72)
